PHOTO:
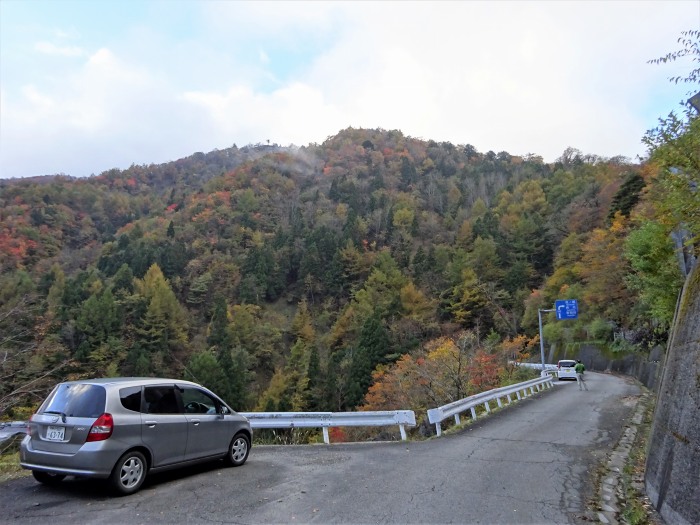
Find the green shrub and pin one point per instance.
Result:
(599, 330)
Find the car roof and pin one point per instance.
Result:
(125, 381)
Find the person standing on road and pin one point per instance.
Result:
(580, 369)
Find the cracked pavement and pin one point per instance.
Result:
(531, 462)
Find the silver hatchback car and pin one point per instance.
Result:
(121, 429)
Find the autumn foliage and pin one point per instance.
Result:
(445, 370)
(372, 270)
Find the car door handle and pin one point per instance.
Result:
(151, 423)
(195, 422)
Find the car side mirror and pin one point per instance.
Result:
(224, 410)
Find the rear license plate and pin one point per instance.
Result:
(55, 433)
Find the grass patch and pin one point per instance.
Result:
(9, 460)
(635, 505)
(9, 467)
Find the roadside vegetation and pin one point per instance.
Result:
(9, 460)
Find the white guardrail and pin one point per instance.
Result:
(552, 370)
(402, 418)
(325, 420)
(10, 429)
(437, 415)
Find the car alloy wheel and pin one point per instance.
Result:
(129, 473)
(238, 450)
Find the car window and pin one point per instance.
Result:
(161, 400)
(567, 363)
(197, 401)
(77, 400)
(131, 398)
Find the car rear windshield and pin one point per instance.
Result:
(567, 363)
(77, 400)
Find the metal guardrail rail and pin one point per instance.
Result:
(325, 420)
(437, 415)
(402, 418)
(9, 429)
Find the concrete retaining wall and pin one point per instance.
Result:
(672, 476)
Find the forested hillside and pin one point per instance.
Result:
(372, 270)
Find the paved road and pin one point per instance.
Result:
(530, 463)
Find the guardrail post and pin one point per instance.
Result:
(473, 413)
(404, 437)
(457, 420)
(509, 399)
(518, 394)
(326, 437)
(438, 429)
(487, 407)
(498, 400)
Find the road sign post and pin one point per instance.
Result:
(539, 317)
(565, 309)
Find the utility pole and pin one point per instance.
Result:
(539, 316)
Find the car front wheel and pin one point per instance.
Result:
(47, 478)
(129, 473)
(238, 450)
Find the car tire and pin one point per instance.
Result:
(238, 450)
(129, 473)
(47, 478)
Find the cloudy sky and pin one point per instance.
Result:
(90, 85)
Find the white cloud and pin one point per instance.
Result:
(272, 20)
(290, 115)
(49, 48)
(525, 77)
(501, 78)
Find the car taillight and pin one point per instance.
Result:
(29, 427)
(102, 428)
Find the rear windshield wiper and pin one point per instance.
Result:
(62, 414)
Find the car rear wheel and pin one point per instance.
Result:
(129, 473)
(47, 478)
(238, 450)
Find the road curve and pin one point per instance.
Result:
(530, 463)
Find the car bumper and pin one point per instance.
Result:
(93, 460)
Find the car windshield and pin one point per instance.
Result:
(76, 400)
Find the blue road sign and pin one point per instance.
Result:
(566, 309)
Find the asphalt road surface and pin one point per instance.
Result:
(530, 463)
